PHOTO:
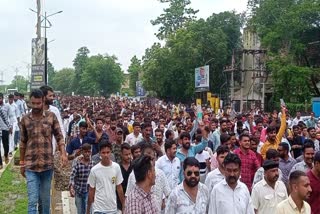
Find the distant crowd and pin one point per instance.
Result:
(150, 156)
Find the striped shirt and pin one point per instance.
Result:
(79, 176)
(5, 112)
(138, 201)
(36, 139)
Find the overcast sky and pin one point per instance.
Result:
(119, 27)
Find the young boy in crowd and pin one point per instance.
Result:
(79, 177)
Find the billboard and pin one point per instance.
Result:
(38, 51)
(202, 77)
(140, 92)
(37, 76)
(38, 61)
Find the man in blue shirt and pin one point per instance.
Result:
(186, 150)
(74, 147)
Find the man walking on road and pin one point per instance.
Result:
(231, 195)
(36, 152)
(5, 128)
(190, 196)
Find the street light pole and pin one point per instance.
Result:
(46, 43)
(45, 19)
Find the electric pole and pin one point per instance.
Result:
(38, 19)
(16, 77)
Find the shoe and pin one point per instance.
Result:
(6, 160)
(10, 154)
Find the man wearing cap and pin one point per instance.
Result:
(274, 155)
(116, 147)
(269, 192)
(314, 177)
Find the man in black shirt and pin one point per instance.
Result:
(296, 142)
(126, 168)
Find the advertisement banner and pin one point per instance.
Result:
(38, 72)
(140, 92)
(202, 77)
(38, 51)
(37, 76)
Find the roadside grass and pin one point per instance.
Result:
(13, 191)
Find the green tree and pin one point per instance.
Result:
(19, 82)
(169, 70)
(102, 75)
(174, 17)
(63, 79)
(288, 29)
(79, 64)
(134, 69)
(51, 72)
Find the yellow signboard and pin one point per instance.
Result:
(38, 78)
(198, 101)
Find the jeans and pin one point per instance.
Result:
(39, 186)
(81, 202)
(16, 137)
(5, 143)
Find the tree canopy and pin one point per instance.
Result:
(168, 69)
(174, 17)
(289, 29)
(134, 70)
(91, 75)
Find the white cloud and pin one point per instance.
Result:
(119, 27)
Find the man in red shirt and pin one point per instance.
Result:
(249, 161)
(314, 177)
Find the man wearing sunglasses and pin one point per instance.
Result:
(190, 196)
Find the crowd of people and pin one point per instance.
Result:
(152, 157)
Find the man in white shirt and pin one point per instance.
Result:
(190, 196)
(231, 195)
(135, 136)
(217, 175)
(204, 160)
(14, 117)
(268, 192)
(48, 106)
(170, 164)
(104, 180)
(19, 103)
(271, 154)
(297, 119)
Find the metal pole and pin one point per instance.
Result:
(38, 19)
(263, 94)
(45, 50)
(241, 83)
(232, 79)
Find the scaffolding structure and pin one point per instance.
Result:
(248, 75)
